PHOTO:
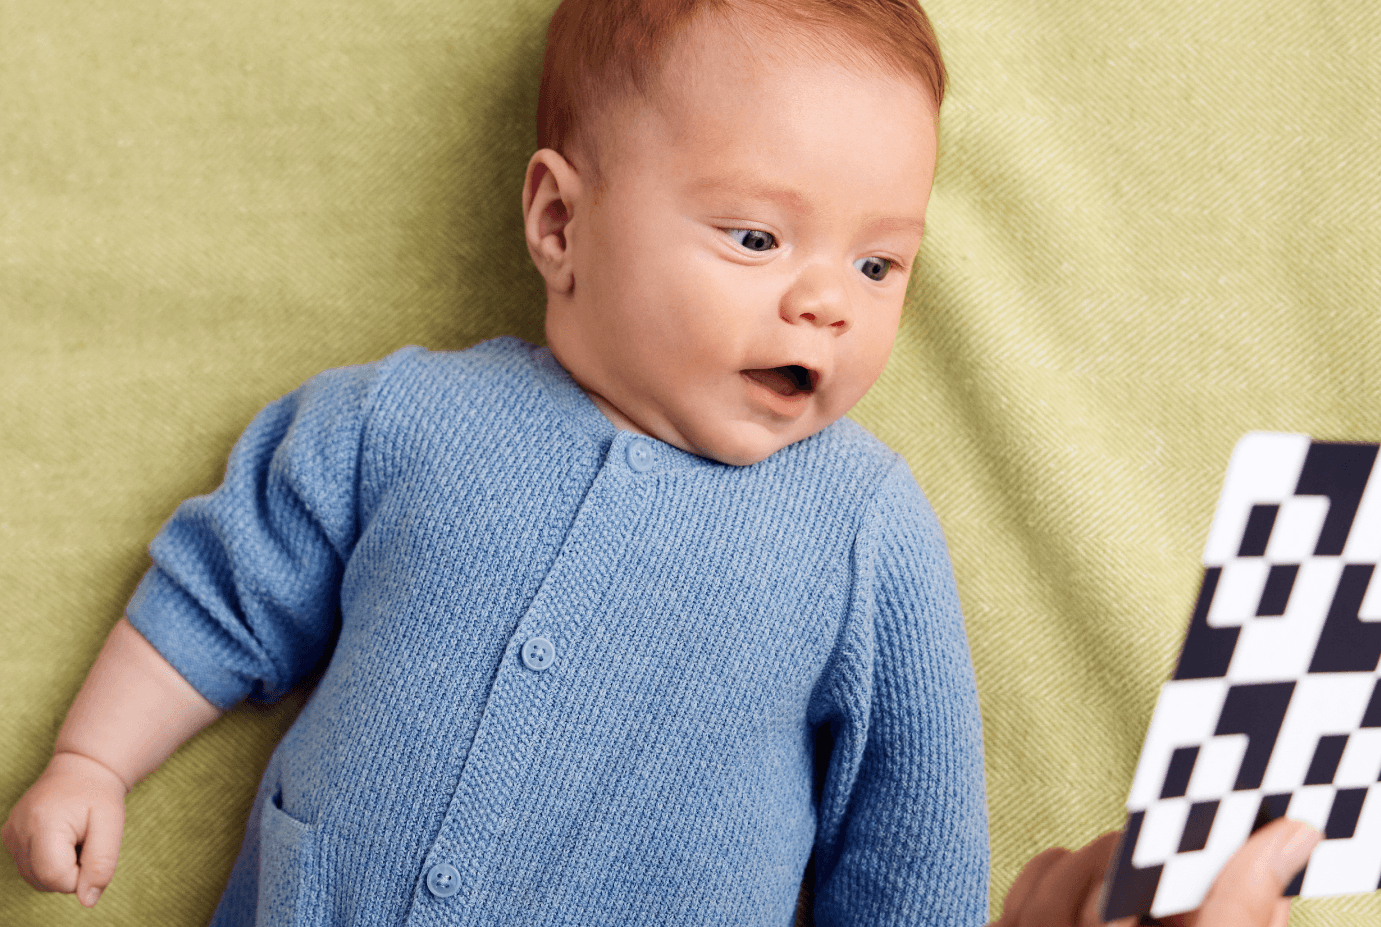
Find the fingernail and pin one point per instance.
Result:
(91, 895)
(1291, 855)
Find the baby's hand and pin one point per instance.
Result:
(1060, 889)
(64, 834)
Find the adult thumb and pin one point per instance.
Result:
(100, 851)
(1248, 891)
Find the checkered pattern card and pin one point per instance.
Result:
(1275, 706)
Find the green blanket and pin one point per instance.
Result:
(1156, 226)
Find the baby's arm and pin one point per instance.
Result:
(243, 597)
(132, 712)
(903, 834)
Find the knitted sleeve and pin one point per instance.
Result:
(902, 836)
(242, 598)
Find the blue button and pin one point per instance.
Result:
(640, 455)
(443, 880)
(539, 653)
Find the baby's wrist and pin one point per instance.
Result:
(67, 759)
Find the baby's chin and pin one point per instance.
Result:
(720, 428)
(744, 443)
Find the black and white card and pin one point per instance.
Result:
(1275, 706)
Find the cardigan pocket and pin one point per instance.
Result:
(287, 851)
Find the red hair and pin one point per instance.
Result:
(601, 50)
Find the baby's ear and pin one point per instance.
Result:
(551, 191)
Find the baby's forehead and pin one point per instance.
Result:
(750, 44)
(751, 97)
(744, 62)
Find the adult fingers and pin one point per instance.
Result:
(1091, 915)
(100, 851)
(1064, 888)
(1027, 881)
(1280, 917)
(1247, 893)
(1098, 853)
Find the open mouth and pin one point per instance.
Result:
(790, 380)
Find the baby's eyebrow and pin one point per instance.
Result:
(899, 225)
(751, 189)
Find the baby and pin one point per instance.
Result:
(625, 629)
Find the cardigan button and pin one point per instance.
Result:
(640, 455)
(443, 880)
(539, 653)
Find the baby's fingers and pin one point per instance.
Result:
(100, 851)
(52, 858)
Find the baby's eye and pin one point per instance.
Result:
(874, 268)
(753, 239)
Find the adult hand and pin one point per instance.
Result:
(1060, 888)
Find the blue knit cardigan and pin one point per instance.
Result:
(578, 676)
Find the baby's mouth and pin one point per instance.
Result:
(790, 380)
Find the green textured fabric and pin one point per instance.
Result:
(1156, 226)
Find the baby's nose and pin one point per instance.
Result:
(825, 319)
(817, 299)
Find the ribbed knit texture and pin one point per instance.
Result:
(735, 648)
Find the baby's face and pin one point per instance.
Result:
(736, 286)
